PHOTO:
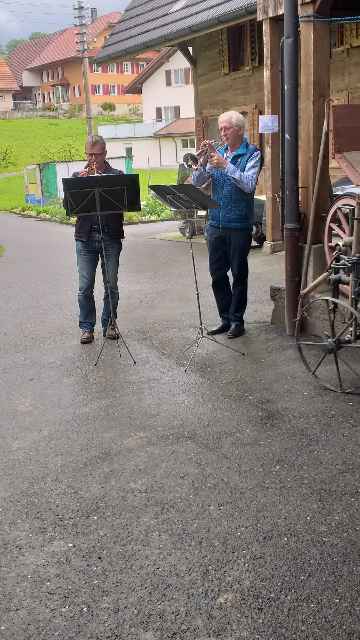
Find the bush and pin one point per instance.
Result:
(74, 110)
(108, 107)
(7, 156)
(153, 209)
(131, 218)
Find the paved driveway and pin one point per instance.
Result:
(141, 503)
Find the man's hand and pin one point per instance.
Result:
(217, 161)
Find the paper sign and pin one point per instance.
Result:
(268, 124)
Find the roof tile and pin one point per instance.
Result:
(152, 23)
(7, 79)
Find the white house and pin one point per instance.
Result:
(168, 127)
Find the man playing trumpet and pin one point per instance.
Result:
(233, 170)
(89, 250)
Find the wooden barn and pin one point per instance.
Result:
(234, 47)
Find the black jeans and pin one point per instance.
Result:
(229, 250)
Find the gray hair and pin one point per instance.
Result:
(237, 119)
(91, 140)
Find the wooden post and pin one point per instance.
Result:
(315, 91)
(272, 31)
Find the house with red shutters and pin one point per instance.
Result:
(54, 77)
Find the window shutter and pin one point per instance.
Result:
(177, 112)
(224, 51)
(168, 77)
(253, 43)
(105, 89)
(187, 75)
(104, 68)
(201, 130)
(158, 114)
(93, 89)
(119, 89)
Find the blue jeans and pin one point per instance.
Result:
(228, 250)
(88, 253)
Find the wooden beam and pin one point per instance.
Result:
(315, 91)
(272, 37)
(187, 54)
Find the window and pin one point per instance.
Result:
(60, 72)
(179, 76)
(168, 77)
(185, 143)
(44, 76)
(96, 67)
(241, 46)
(112, 89)
(98, 90)
(77, 91)
(51, 75)
(171, 113)
(344, 36)
(2, 98)
(158, 116)
(112, 67)
(182, 76)
(142, 66)
(127, 67)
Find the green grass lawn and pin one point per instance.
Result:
(35, 140)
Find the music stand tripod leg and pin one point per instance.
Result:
(201, 332)
(112, 320)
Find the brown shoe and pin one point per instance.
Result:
(112, 332)
(86, 337)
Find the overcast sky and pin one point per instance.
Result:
(18, 18)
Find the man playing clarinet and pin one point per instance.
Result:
(233, 170)
(89, 251)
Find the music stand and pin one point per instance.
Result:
(187, 197)
(101, 195)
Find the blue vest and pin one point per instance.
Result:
(236, 210)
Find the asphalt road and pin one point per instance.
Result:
(143, 503)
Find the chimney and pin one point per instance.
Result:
(93, 14)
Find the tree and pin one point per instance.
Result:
(12, 44)
(37, 34)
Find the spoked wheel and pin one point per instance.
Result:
(328, 348)
(337, 228)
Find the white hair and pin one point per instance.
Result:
(235, 118)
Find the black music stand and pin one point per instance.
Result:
(101, 195)
(187, 197)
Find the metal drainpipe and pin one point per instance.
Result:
(291, 169)
(282, 140)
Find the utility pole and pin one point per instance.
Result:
(80, 21)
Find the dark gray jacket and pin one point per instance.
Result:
(113, 221)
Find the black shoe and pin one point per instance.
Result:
(236, 330)
(222, 328)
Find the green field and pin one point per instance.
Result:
(35, 140)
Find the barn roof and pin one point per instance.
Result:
(157, 23)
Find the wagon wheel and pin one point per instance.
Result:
(337, 228)
(329, 349)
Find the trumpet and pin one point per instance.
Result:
(201, 157)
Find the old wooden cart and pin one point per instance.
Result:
(328, 324)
